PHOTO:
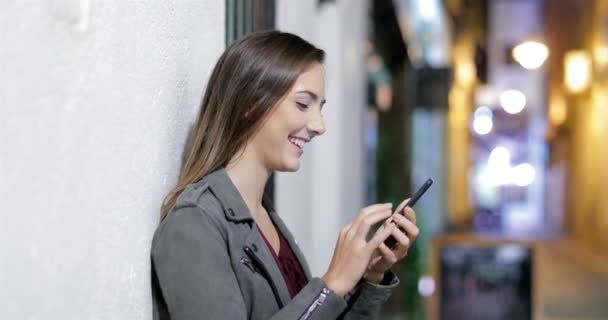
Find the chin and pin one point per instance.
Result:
(292, 166)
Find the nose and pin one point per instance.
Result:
(316, 124)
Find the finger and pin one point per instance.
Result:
(403, 242)
(374, 262)
(400, 252)
(410, 214)
(390, 256)
(381, 264)
(367, 211)
(345, 231)
(408, 226)
(381, 236)
(384, 249)
(402, 205)
(386, 222)
(378, 263)
(375, 207)
(366, 223)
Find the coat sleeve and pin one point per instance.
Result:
(366, 299)
(196, 280)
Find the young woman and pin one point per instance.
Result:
(221, 252)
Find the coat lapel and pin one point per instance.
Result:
(262, 251)
(236, 210)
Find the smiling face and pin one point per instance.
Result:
(293, 123)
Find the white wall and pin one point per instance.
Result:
(327, 192)
(96, 98)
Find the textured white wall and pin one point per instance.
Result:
(327, 192)
(96, 99)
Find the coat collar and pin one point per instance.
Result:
(230, 198)
(228, 195)
(236, 210)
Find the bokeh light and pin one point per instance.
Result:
(512, 101)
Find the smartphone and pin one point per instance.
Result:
(390, 241)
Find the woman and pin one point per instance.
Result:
(221, 252)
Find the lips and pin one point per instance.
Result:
(299, 142)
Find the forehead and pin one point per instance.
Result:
(312, 80)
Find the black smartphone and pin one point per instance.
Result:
(390, 241)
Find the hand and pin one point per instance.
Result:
(353, 252)
(384, 257)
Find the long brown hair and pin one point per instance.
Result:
(248, 81)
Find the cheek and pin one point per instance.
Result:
(286, 124)
(273, 136)
(294, 121)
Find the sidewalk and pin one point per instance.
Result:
(573, 283)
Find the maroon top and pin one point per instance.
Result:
(288, 264)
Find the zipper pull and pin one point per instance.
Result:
(318, 302)
(259, 266)
(249, 264)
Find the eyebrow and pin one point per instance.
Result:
(313, 95)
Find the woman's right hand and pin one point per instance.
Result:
(353, 252)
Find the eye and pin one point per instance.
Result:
(302, 105)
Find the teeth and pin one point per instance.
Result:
(299, 142)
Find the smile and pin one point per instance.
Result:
(298, 142)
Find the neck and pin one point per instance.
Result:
(250, 178)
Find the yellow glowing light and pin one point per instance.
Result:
(458, 107)
(557, 110)
(531, 54)
(600, 54)
(577, 70)
(465, 72)
(599, 112)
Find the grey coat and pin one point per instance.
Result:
(209, 261)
